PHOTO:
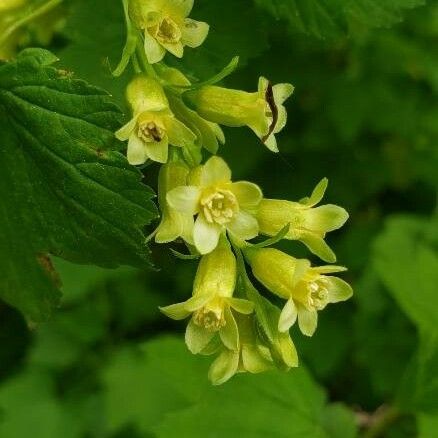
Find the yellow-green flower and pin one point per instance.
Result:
(153, 126)
(212, 302)
(308, 223)
(219, 205)
(262, 111)
(252, 356)
(173, 223)
(306, 289)
(166, 27)
(208, 134)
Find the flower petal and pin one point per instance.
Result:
(288, 350)
(187, 228)
(197, 301)
(136, 153)
(154, 51)
(244, 226)
(307, 320)
(205, 235)
(317, 194)
(180, 8)
(184, 199)
(176, 49)
(253, 361)
(179, 134)
(271, 143)
(215, 170)
(158, 151)
(248, 194)
(229, 333)
(325, 218)
(282, 92)
(281, 120)
(224, 367)
(194, 32)
(302, 267)
(170, 228)
(176, 311)
(288, 316)
(338, 289)
(196, 337)
(329, 269)
(318, 246)
(125, 131)
(242, 306)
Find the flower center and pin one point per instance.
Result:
(220, 206)
(167, 31)
(150, 132)
(318, 296)
(210, 319)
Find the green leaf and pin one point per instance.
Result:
(143, 384)
(28, 403)
(332, 18)
(96, 33)
(408, 266)
(427, 425)
(273, 404)
(65, 188)
(419, 389)
(232, 33)
(161, 389)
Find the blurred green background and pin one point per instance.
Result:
(364, 114)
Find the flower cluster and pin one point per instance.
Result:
(177, 122)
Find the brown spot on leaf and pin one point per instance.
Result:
(46, 263)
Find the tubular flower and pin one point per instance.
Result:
(262, 111)
(212, 301)
(308, 223)
(166, 27)
(153, 126)
(173, 223)
(208, 134)
(306, 289)
(251, 356)
(219, 205)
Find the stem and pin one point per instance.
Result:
(381, 422)
(46, 7)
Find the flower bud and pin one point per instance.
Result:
(262, 111)
(307, 223)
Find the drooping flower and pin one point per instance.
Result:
(173, 223)
(212, 303)
(307, 289)
(262, 111)
(153, 126)
(219, 205)
(308, 223)
(167, 27)
(208, 134)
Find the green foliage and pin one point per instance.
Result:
(107, 363)
(66, 190)
(408, 266)
(332, 18)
